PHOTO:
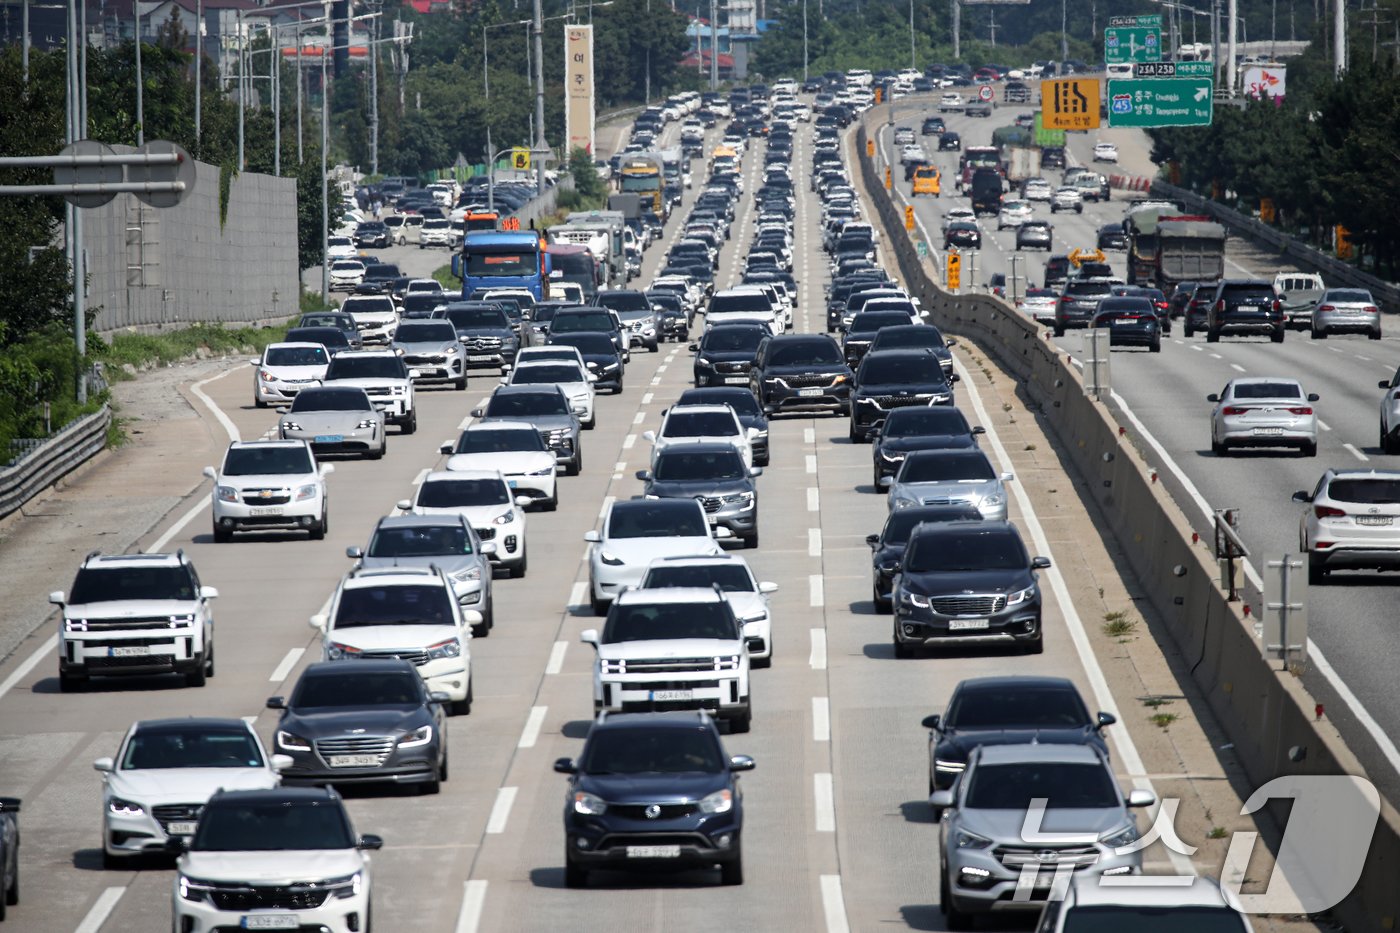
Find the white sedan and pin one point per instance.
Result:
(950, 101)
(745, 595)
(284, 369)
(573, 378)
(1066, 199)
(1105, 152)
(516, 451)
(637, 531)
(958, 215)
(1263, 411)
(911, 153)
(340, 247)
(1013, 214)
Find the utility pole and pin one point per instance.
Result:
(301, 80)
(24, 42)
(911, 35)
(804, 42)
(646, 94)
(140, 81)
(1215, 37)
(276, 56)
(242, 74)
(199, 73)
(1064, 33)
(957, 29)
(1233, 47)
(374, 93)
(541, 145)
(714, 45)
(1339, 37)
(73, 232)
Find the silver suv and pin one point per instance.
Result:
(1352, 522)
(135, 614)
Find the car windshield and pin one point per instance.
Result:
(462, 493)
(333, 338)
(966, 551)
(526, 404)
(925, 422)
(1365, 491)
(296, 356)
(892, 338)
(273, 825)
(502, 263)
(901, 370)
(668, 621)
(499, 440)
(731, 577)
(1016, 707)
(947, 467)
(725, 339)
(470, 318)
(267, 460)
(327, 319)
(700, 424)
(1063, 785)
(328, 399)
(536, 374)
(587, 320)
(425, 332)
(742, 401)
(657, 520)
(1248, 294)
(1349, 295)
(685, 466)
(420, 541)
(806, 353)
(191, 747)
(624, 302)
(407, 604)
(651, 751)
(1267, 390)
(101, 584)
(1115, 918)
(368, 305)
(366, 367)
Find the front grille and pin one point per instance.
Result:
(968, 605)
(669, 666)
(138, 660)
(694, 840)
(378, 391)
(740, 367)
(482, 344)
(148, 641)
(297, 897)
(809, 380)
(177, 813)
(897, 401)
(412, 655)
(377, 745)
(436, 359)
(267, 496)
(1047, 857)
(637, 811)
(944, 500)
(126, 625)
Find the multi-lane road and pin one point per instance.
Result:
(838, 835)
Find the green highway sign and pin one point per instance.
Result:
(1153, 20)
(1173, 70)
(1122, 44)
(1160, 102)
(1044, 137)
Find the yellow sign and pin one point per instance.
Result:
(1070, 104)
(520, 159)
(879, 94)
(889, 182)
(1267, 212)
(1344, 247)
(870, 148)
(952, 270)
(1078, 256)
(908, 218)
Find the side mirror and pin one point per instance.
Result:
(282, 762)
(209, 472)
(649, 437)
(722, 532)
(478, 413)
(943, 799)
(1106, 719)
(1213, 397)
(523, 501)
(255, 361)
(1313, 396)
(327, 469)
(751, 433)
(767, 586)
(367, 841)
(932, 722)
(438, 697)
(506, 368)
(872, 540)
(741, 763)
(978, 429)
(1302, 496)
(276, 702)
(1007, 477)
(756, 471)
(318, 622)
(951, 342)
(592, 377)
(693, 348)
(488, 547)
(505, 381)
(447, 448)
(56, 597)
(592, 537)
(473, 617)
(644, 475)
(1040, 563)
(104, 765)
(403, 505)
(1383, 384)
(565, 766)
(354, 553)
(1141, 798)
(208, 592)
(589, 637)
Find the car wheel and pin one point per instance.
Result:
(654, 346)
(956, 919)
(258, 403)
(70, 683)
(428, 788)
(751, 541)
(318, 530)
(573, 469)
(732, 871)
(1186, 331)
(1156, 346)
(741, 724)
(1386, 445)
(520, 571)
(196, 677)
(222, 535)
(1310, 449)
(1035, 645)
(1212, 336)
(1217, 448)
(1375, 334)
(1277, 335)
(552, 503)
(574, 877)
(1317, 573)
(443, 769)
(461, 384)
(483, 629)
(882, 605)
(463, 707)
(411, 425)
(1319, 334)
(901, 650)
(379, 454)
(12, 892)
(1059, 330)
(209, 661)
(599, 607)
(590, 423)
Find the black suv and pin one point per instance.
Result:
(485, 332)
(745, 406)
(1056, 270)
(1245, 306)
(600, 355)
(801, 372)
(932, 126)
(713, 474)
(654, 790)
(726, 353)
(894, 379)
(1052, 157)
(571, 320)
(379, 279)
(917, 428)
(862, 330)
(887, 547)
(372, 234)
(1078, 301)
(910, 336)
(1111, 236)
(967, 583)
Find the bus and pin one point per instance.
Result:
(498, 259)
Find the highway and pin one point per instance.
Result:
(838, 835)
(1161, 398)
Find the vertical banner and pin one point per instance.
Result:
(578, 79)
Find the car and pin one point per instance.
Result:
(950, 103)
(1007, 710)
(963, 235)
(903, 135)
(1111, 236)
(269, 484)
(248, 838)
(549, 410)
(1034, 234)
(1056, 270)
(637, 316)
(672, 648)
(729, 573)
(1039, 303)
(486, 500)
(379, 280)
(634, 532)
(917, 427)
(715, 475)
(911, 153)
(334, 339)
(345, 274)
(687, 424)
(1052, 157)
(1300, 293)
(1245, 306)
(801, 372)
(892, 380)
(643, 778)
(1105, 152)
(916, 336)
(334, 419)
(339, 247)
(436, 231)
(1091, 185)
(488, 339)
(983, 850)
(570, 376)
(1350, 523)
(9, 853)
(599, 352)
(958, 477)
(339, 320)
(284, 369)
(1013, 214)
(1079, 300)
(376, 316)
(1130, 322)
(163, 774)
(949, 141)
(431, 349)
(1197, 308)
(932, 126)
(1343, 310)
(447, 542)
(1154, 295)
(1066, 198)
(1263, 411)
(887, 546)
(373, 234)
(1037, 189)
(591, 320)
(514, 449)
(957, 215)
(386, 379)
(1203, 904)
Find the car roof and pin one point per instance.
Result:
(671, 594)
(1004, 683)
(503, 425)
(396, 575)
(1018, 753)
(642, 504)
(540, 388)
(359, 354)
(706, 408)
(372, 665)
(294, 345)
(180, 724)
(441, 475)
(667, 720)
(423, 521)
(135, 560)
(697, 447)
(282, 794)
(961, 527)
(697, 560)
(268, 442)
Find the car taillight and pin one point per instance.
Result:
(1220, 305)
(1162, 305)
(1327, 511)
(1371, 309)
(1236, 409)
(1278, 305)
(1064, 299)
(1300, 411)
(1326, 308)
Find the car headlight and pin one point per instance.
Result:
(1120, 837)
(949, 766)
(967, 840)
(335, 651)
(266, 376)
(609, 559)
(119, 806)
(913, 599)
(1020, 596)
(364, 424)
(450, 351)
(307, 492)
(194, 890)
(226, 493)
(701, 361)
(610, 367)
(901, 503)
(291, 426)
(840, 380)
(589, 804)
(504, 519)
(292, 743)
(721, 801)
(547, 471)
(889, 566)
(468, 575)
(347, 886)
(894, 456)
(417, 738)
(995, 498)
(451, 648)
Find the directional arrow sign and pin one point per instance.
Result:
(1078, 256)
(1160, 102)
(1132, 44)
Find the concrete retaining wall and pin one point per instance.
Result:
(1264, 711)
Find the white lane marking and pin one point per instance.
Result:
(473, 900)
(814, 542)
(646, 399)
(1216, 356)
(227, 423)
(834, 905)
(656, 381)
(824, 802)
(556, 655)
(1358, 709)
(280, 672)
(661, 368)
(817, 658)
(821, 719)
(1356, 453)
(1179, 342)
(607, 504)
(1335, 349)
(46, 650)
(1237, 367)
(1198, 349)
(628, 441)
(531, 733)
(500, 810)
(97, 916)
(422, 475)
(1323, 425)
(464, 423)
(579, 594)
(815, 596)
(809, 435)
(1098, 683)
(1366, 358)
(811, 463)
(639, 417)
(814, 499)
(620, 466)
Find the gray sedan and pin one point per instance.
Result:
(333, 420)
(950, 477)
(1346, 310)
(1263, 411)
(447, 542)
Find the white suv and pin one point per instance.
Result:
(702, 424)
(672, 649)
(376, 316)
(135, 614)
(1352, 522)
(731, 574)
(269, 485)
(386, 379)
(485, 499)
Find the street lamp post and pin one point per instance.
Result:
(804, 42)
(140, 82)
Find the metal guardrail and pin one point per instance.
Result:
(52, 460)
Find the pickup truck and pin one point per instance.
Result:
(1299, 292)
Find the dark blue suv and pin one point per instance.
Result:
(653, 791)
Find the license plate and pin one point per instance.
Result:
(480, 357)
(182, 828)
(662, 696)
(1267, 432)
(959, 625)
(1121, 322)
(130, 651)
(739, 379)
(266, 510)
(353, 761)
(809, 393)
(653, 851)
(1373, 519)
(512, 483)
(329, 438)
(271, 922)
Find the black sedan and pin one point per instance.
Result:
(372, 234)
(363, 721)
(949, 140)
(887, 547)
(1111, 236)
(342, 320)
(599, 355)
(653, 790)
(932, 126)
(1007, 711)
(745, 405)
(1131, 322)
(911, 336)
(934, 427)
(1034, 234)
(962, 234)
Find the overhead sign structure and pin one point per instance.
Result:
(1173, 70)
(1070, 103)
(1161, 102)
(1123, 44)
(579, 102)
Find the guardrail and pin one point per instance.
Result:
(1267, 713)
(52, 460)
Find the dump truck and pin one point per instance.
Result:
(1165, 248)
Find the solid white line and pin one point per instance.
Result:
(814, 499)
(556, 654)
(814, 542)
(280, 672)
(817, 659)
(198, 389)
(628, 441)
(809, 435)
(97, 916)
(1356, 453)
(834, 905)
(815, 595)
(1237, 367)
(1323, 425)
(500, 810)
(824, 802)
(646, 399)
(639, 417)
(821, 719)
(531, 733)
(811, 463)
(1098, 683)
(422, 475)
(45, 650)
(473, 900)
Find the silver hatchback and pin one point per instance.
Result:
(1263, 411)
